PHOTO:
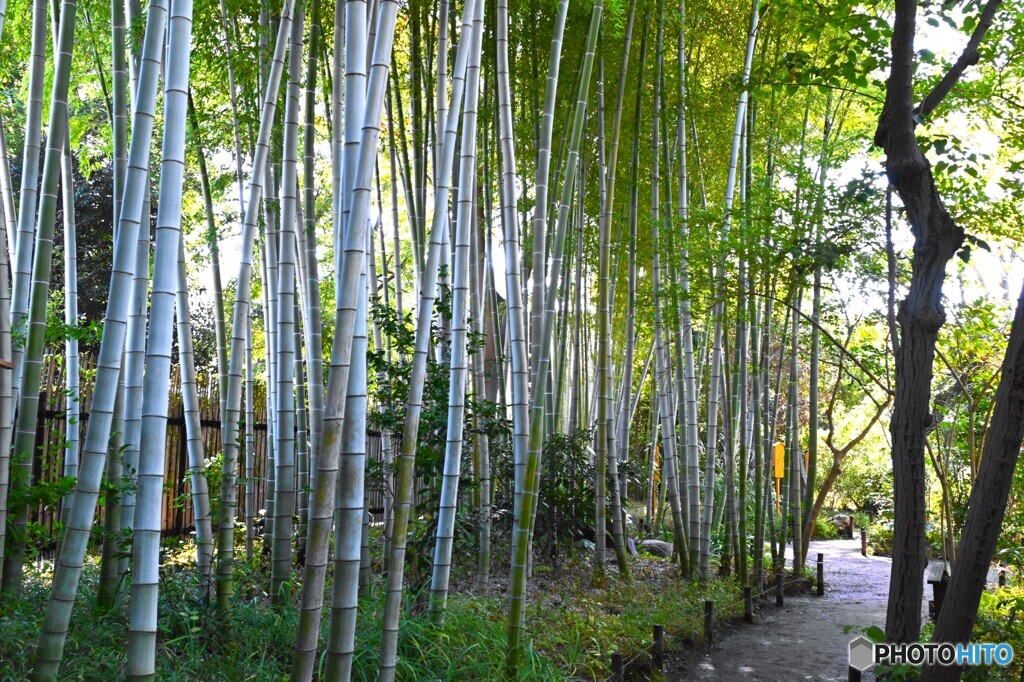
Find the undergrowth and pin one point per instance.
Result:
(1000, 619)
(572, 628)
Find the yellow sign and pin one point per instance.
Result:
(779, 451)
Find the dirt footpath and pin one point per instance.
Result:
(804, 640)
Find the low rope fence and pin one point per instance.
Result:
(654, 654)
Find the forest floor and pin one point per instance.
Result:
(804, 640)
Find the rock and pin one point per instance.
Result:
(631, 545)
(844, 524)
(587, 545)
(657, 548)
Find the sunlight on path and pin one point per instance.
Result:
(804, 640)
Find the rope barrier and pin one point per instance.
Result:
(649, 652)
(614, 676)
(620, 667)
(636, 658)
(771, 590)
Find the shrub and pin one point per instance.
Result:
(933, 535)
(1000, 619)
(880, 538)
(566, 502)
(824, 529)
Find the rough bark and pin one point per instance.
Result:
(987, 505)
(937, 238)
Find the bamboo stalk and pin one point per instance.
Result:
(322, 499)
(25, 236)
(67, 570)
(527, 503)
(285, 488)
(414, 406)
(459, 369)
(30, 364)
(228, 497)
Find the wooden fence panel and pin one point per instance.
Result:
(48, 459)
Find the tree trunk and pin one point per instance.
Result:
(937, 238)
(987, 505)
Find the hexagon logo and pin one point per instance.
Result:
(862, 654)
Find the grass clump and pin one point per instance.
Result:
(579, 627)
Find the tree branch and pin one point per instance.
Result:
(835, 342)
(969, 57)
(828, 86)
(866, 430)
(960, 382)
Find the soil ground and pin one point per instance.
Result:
(804, 640)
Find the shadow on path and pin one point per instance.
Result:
(804, 640)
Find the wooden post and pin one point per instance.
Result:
(748, 604)
(659, 647)
(780, 579)
(854, 675)
(618, 669)
(863, 541)
(821, 575)
(709, 618)
(939, 588)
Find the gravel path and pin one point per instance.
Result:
(804, 640)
